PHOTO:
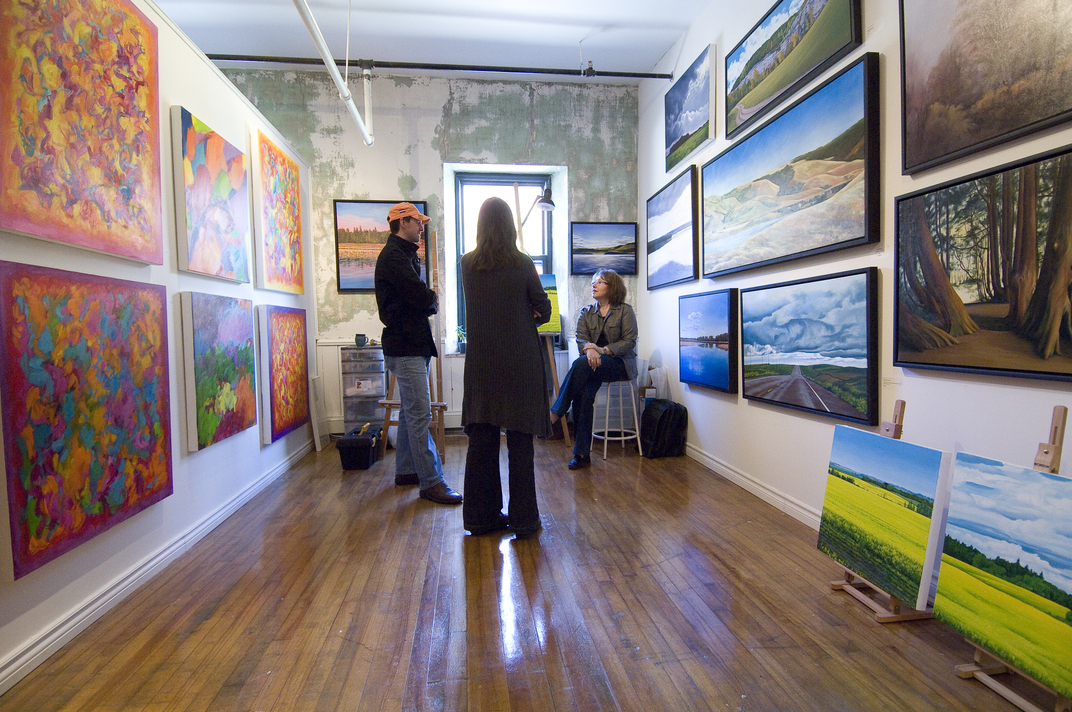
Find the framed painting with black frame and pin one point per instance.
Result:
(804, 183)
(707, 339)
(812, 345)
(672, 231)
(361, 231)
(982, 268)
(785, 51)
(687, 113)
(596, 246)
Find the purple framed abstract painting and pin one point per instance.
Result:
(84, 385)
(277, 209)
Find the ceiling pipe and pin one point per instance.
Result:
(329, 62)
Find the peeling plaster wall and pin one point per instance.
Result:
(420, 123)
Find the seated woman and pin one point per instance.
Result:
(606, 338)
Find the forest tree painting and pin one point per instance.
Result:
(80, 129)
(86, 412)
(277, 206)
(984, 268)
(361, 231)
(977, 73)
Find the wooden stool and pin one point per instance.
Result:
(622, 434)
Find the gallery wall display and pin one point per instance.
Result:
(1006, 576)
(805, 183)
(284, 371)
(982, 272)
(976, 74)
(812, 345)
(672, 231)
(688, 112)
(86, 409)
(596, 246)
(883, 512)
(795, 42)
(707, 339)
(277, 214)
(211, 200)
(361, 231)
(219, 363)
(80, 129)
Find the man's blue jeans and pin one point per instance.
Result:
(415, 450)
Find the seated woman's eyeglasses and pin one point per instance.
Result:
(598, 281)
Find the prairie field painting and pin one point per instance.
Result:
(812, 345)
(286, 374)
(794, 42)
(596, 246)
(1006, 576)
(218, 355)
(361, 231)
(671, 239)
(983, 272)
(707, 339)
(687, 110)
(212, 200)
(80, 130)
(878, 512)
(86, 412)
(278, 209)
(550, 287)
(805, 182)
(978, 73)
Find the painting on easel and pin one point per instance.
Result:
(1006, 576)
(879, 516)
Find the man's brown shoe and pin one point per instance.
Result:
(441, 494)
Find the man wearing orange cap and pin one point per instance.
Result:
(405, 302)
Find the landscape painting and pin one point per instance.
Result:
(812, 345)
(218, 359)
(596, 246)
(278, 210)
(794, 43)
(707, 339)
(361, 231)
(285, 371)
(805, 183)
(80, 129)
(550, 288)
(687, 110)
(86, 408)
(672, 229)
(978, 73)
(882, 513)
(983, 272)
(211, 200)
(1006, 576)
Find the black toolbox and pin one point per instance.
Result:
(359, 448)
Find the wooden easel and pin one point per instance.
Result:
(895, 610)
(985, 664)
(549, 339)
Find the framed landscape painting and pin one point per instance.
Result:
(805, 183)
(284, 371)
(687, 110)
(277, 209)
(796, 41)
(672, 232)
(982, 272)
(976, 74)
(596, 246)
(86, 408)
(1006, 577)
(80, 129)
(361, 231)
(812, 345)
(707, 339)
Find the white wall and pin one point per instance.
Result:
(782, 454)
(42, 610)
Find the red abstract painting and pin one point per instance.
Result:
(286, 391)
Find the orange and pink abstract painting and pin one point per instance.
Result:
(278, 218)
(285, 384)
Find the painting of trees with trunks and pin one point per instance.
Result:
(984, 267)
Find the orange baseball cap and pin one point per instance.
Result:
(405, 210)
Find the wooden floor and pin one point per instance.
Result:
(655, 585)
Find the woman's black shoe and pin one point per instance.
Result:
(578, 462)
(501, 523)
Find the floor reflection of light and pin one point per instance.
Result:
(507, 607)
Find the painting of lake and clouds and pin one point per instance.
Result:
(671, 239)
(596, 246)
(707, 342)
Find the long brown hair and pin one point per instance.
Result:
(496, 237)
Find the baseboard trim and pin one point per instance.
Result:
(20, 663)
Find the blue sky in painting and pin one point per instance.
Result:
(818, 120)
(911, 467)
(603, 236)
(735, 63)
(703, 315)
(688, 102)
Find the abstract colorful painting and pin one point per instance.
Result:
(84, 382)
(284, 371)
(80, 129)
(211, 200)
(1006, 576)
(882, 513)
(278, 211)
(218, 356)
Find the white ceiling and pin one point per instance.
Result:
(615, 35)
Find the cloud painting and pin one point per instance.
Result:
(688, 110)
(672, 232)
